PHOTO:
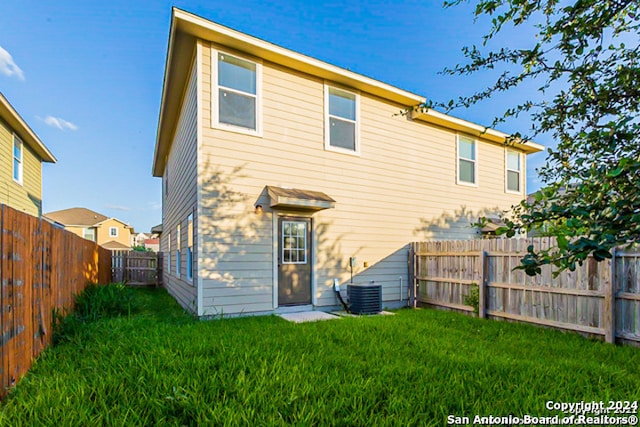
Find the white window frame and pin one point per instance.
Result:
(111, 230)
(169, 252)
(190, 238)
(507, 170)
(327, 122)
(475, 162)
(17, 141)
(215, 94)
(178, 257)
(93, 232)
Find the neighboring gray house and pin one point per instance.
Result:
(282, 172)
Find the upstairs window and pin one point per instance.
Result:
(113, 231)
(237, 92)
(467, 159)
(341, 120)
(513, 171)
(17, 159)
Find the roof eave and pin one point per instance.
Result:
(204, 29)
(445, 120)
(158, 156)
(99, 223)
(188, 24)
(26, 134)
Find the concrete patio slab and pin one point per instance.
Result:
(307, 316)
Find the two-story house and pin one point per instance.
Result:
(110, 233)
(21, 156)
(282, 172)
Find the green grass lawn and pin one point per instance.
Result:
(161, 367)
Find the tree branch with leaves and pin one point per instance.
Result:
(584, 60)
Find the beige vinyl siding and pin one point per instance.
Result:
(402, 187)
(28, 196)
(181, 199)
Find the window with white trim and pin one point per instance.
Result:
(17, 159)
(89, 233)
(513, 171)
(178, 238)
(168, 252)
(190, 247)
(341, 120)
(467, 160)
(237, 92)
(113, 231)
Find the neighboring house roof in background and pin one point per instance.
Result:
(152, 242)
(185, 26)
(22, 129)
(76, 216)
(113, 245)
(82, 217)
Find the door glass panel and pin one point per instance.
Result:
(294, 242)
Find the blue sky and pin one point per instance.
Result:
(87, 77)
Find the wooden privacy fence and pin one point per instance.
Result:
(137, 268)
(41, 270)
(601, 298)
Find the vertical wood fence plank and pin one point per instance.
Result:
(42, 268)
(482, 284)
(598, 298)
(609, 305)
(4, 286)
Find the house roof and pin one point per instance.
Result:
(444, 120)
(115, 246)
(187, 27)
(76, 216)
(22, 129)
(98, 224)
(81, 217)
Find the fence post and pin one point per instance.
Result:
(482, 286)
(411, 288)
(609, 304)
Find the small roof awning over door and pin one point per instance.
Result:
(292, 198)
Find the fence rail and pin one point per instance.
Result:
(600, 298)
(42, 268)
(137, 268)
